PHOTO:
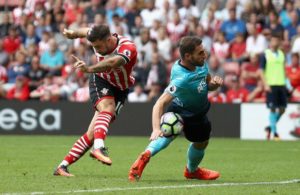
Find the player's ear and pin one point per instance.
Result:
(187, 56)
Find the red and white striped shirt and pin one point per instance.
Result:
(120, 77)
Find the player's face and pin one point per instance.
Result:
(198, 56)
(101, 46)
(275, 42)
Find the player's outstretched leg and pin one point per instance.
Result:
(77, 151)
(192, 171)
(100, 152)
(136, 170)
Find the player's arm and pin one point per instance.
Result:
(104, 65)
(261, 72)
(74, 34)
(214, 83)
(157, 112)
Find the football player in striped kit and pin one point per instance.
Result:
(110, 79)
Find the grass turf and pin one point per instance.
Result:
(27, 164)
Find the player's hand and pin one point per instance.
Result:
(79, 64)
(70, 34)
(155, 134)
(267, 88)
(217, 81)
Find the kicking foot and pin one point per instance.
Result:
(136, 170)
(202, 174)
(101, 154)
(62, 171)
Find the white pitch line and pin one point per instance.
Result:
(160, 187)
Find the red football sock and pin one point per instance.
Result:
(101, 127)
(79, 149)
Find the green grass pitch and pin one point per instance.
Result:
(247, 167)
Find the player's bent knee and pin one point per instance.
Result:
(200, 145)
(106, 107)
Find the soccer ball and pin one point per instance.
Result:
(171, 124)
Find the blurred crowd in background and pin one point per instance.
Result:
(36, 62)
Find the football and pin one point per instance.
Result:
(171, 124)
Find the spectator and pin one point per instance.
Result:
(20, 91)
(17, 68)
(220, 47)
(95, 8)
(206, 40)
(273, 25)
(208, 20)
(188, 11)
(295, 97)
(293, 71)
(138, 25)
(30, 36)
(257, 94)
(77, 23)
(150, 13)
(12, 42)
(5, 25)
(215, 68)
(131, 13)
(236, 93)
(154, 93)
(35, 74)
(48, 91)
(144, 47)
(113, 9)
(224, 14)
(20, 11)
(154, 29)
(4, 58)
(164, 44)
(44, 43)
(296, 42)
(285, 13)
(57, 20)
(53, 59)
(63, 43)
(291, 29)
(237, 49)
(156, 72)
(72, 11)
(249, 74)
(118, 21)
(233, 26)
(248, 10)
(217, 97)
(255, 43)
(176, 28)
(82, 93)
(137, 95)
(42, 27)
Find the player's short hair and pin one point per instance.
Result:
(276, 35)
(188, 45)
(98, 32)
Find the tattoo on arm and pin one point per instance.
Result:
(105, 65)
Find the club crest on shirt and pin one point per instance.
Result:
(202, 85)
(172, 89)
(104, 91)
(127, 52)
